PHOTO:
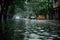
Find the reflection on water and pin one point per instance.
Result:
(27, 29)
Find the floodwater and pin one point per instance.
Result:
(32, 29)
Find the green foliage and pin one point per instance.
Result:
(41, 7)
(51, 5)
(20, 4)
(11, 8)
(37, 8)
(44, 0)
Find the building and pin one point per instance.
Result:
(56, 7)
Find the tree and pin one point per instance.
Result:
(4, 26)
(40, 7)
(20, 4)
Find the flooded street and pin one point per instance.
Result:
(32, 29)
(29, 20)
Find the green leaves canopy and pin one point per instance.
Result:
(41, 7)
